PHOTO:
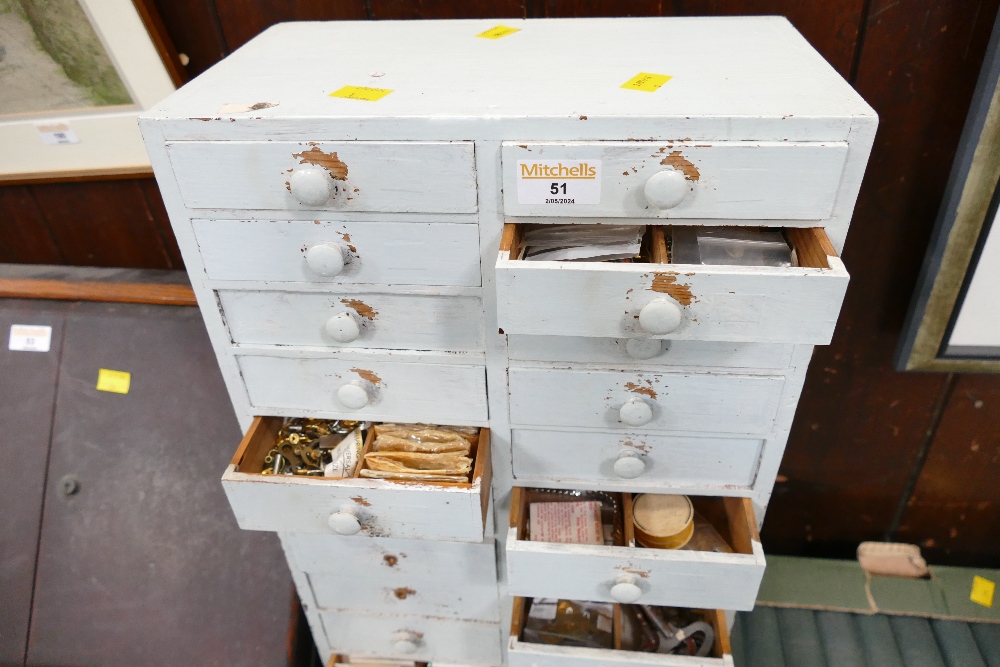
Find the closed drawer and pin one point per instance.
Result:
(668, 401)
(393, 391)
(287, 503)
(357, 320)
(418, 638)
(389, 253)
(724, 303)
(405, 176)
(678, 578)
(635, 461)
(413, 577)
(523, 653)
(688, 353)
(717, 179)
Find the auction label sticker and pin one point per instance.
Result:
(496, 32)
(29, 338)
(646, 82)
(57, 133)
(117, 382)
(559, 182)
(361, 93)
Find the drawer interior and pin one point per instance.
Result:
(716, 618)
(732, 517)
(811, 245)
(263, 435)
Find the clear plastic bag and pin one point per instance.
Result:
(430, 464)
(733, 246)
(429, 432)
(706, 538)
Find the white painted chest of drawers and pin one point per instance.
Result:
(361, 259)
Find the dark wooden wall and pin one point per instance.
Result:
(874, 453)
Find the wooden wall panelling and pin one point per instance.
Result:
(194, 27)
(154, 201)
(242, 20)
(447, 9)
(24, 236)
(859, 425)
(102, 223)
(953, 511)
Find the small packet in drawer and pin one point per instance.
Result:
(573, 522)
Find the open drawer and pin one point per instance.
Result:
(797, 304)
(626, 572)
(521, 653)
(354, 506)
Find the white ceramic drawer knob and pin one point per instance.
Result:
(327, 259)
(629, 465)
(406, 642)
(635, 412)
(343, 328)
(311, 186)
(666, 189)
(345, 522)
(625, 590)
(643, 348)
(354, 395)
(660, 316)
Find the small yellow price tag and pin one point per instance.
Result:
(647, 82)
(114, 381)
(361, 93)
(496, 32)
(982, 591)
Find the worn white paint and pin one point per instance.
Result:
(729, 179)
(727, 303)
(526, 654)
(443, 640)
(381, 176)
(683, 402)
(586, 459)
(401, 253)
(386, 321)
(690, 353)
(405, 392)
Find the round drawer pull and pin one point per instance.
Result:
(635, 412)
(354, 395)
(666, 189)
(625, 590)
(643, 348)
(343, 327)
(327, 259)
(345, 522)
(660, 316)
(311, 186)
(629, 465)
(406, 642)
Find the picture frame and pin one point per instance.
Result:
(953, 323)
(61, 124)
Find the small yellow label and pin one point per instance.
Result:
(982, 591)
(496, 32)
(361, 93)
(113, 381)
(647, 82)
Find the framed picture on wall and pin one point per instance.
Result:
(953, 323)
(74, 75)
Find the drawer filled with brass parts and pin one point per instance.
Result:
(416, 481)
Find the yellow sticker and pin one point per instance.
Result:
(982, 591)
(361, 93)
(647, 82)
(114, 381)
(496, 32)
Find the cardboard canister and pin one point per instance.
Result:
(663, 521)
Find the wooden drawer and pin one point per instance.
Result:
(420, 638)
(528, 654)
(404, 176)
(413, 577)
(723, 303)
(658, 401)
(396, 391)
(688, 353)
(635, 461)
(285, 503)
(388, 253)
(354, 320)
(717, 179)
(678, 578)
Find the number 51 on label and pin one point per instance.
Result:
(567, 182)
